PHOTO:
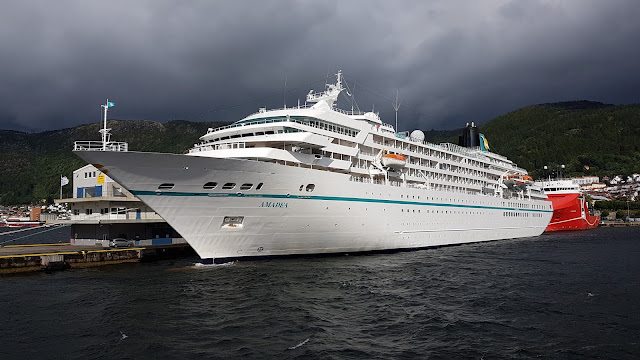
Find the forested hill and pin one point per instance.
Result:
(602, 137)
(31, 164)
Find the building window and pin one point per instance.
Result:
(88, 211)
(76, 211)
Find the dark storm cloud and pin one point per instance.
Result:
(452, 61)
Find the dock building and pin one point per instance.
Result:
(102, 210)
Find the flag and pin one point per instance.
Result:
(64, 181)
(110, 104)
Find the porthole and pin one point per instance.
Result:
(228, 186)
(310, 187)
(166, 186)
(246, 186)
(210, 185)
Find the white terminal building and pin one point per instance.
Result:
(102, 210)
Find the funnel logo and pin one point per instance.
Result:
(484, 144)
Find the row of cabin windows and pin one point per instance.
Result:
(516, 214)
(306, 121)
(282, 131)
(212, 185)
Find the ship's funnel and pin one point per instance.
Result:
(469, 137)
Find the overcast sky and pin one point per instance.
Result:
(451, 61)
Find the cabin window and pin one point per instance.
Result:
(246, 186)
(259, 186)
(310, 187)
(166, 186)
(210, 185)
(228, 186)
(270, 132)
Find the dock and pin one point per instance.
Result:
(52, 257)
(620, 224)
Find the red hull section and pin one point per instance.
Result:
(570, 212)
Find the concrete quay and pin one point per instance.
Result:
(620, 224)
(52, 257)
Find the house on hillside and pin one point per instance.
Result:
(586, 180)
(616, 180)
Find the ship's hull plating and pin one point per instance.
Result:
(286, 216)
(571, 212)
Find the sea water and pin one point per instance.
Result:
(573, 295)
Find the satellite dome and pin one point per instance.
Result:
(417, 135)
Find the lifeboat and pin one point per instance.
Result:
(520, 181)
(395, 161)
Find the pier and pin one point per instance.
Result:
(52, 257)
(620, 224)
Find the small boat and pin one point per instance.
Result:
(20, 222)
(518, 180)
(393, 161)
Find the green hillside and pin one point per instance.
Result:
(31, 164)
(603, 137)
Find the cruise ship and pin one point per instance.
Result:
(315, 179)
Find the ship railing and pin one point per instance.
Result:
(226, 146)
(100, 146)
(338, 130)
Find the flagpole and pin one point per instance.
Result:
(104, 134)
(60, 187)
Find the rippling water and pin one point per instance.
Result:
(573, 295)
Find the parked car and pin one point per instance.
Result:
(120, 242)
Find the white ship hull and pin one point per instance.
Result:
(338, 216)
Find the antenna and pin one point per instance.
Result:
(396, 106)
(351, 92)
(285, 91)
(326, 79)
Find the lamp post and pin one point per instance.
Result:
(627, 210)
(546, 172)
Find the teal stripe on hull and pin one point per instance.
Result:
(332, 198)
